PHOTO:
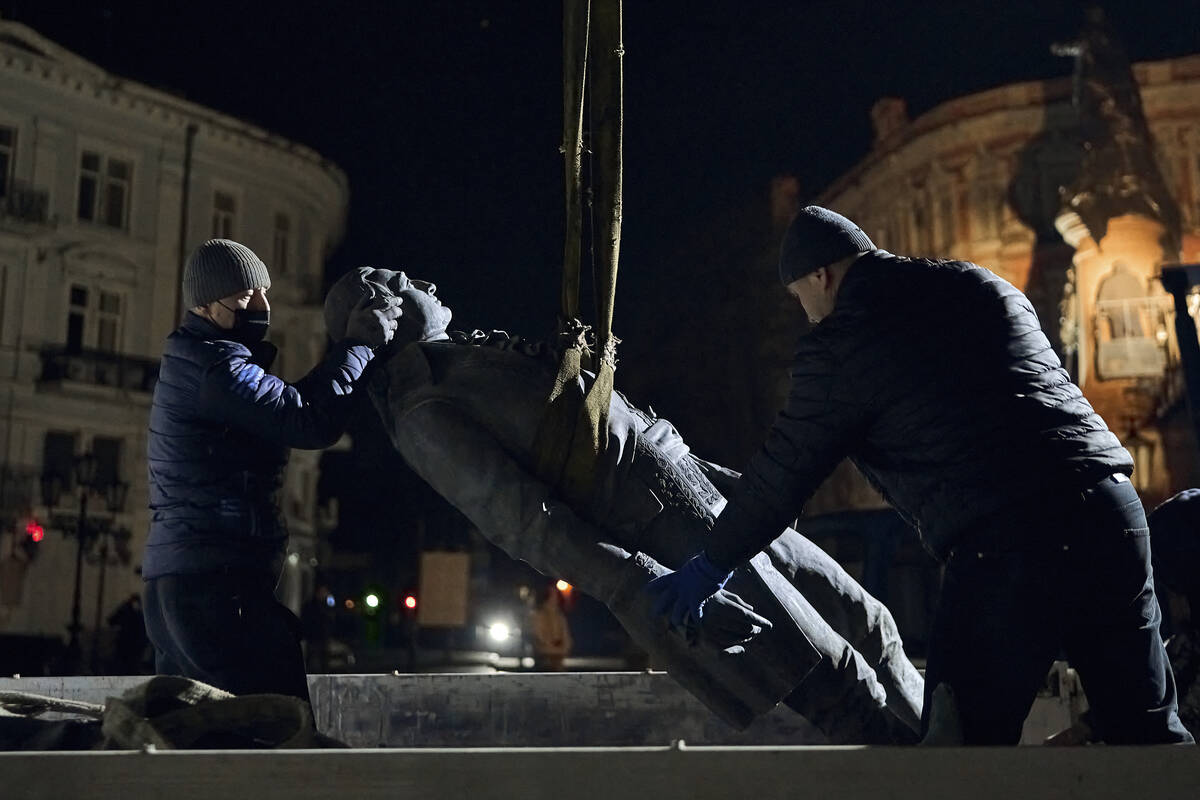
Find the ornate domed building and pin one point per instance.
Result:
(1077, 191)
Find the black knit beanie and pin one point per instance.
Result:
(219, 268)
(817, 238)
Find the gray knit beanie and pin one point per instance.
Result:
(817, 238)
(219, 268)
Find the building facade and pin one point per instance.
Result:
(984, 178)
(105, 186)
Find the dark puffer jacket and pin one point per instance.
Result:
(936, 379)
(220, 430)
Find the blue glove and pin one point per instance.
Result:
(680, 594)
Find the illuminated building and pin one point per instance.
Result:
(105, 186)
(990, 177)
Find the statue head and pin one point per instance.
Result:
(423, 318)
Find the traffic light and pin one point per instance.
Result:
(373, 601)
(410, 602)
(34, 534)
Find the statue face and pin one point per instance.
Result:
(423, 318)
(422, 315)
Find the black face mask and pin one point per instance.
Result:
(249, 325)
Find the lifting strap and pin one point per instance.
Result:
(574, 427)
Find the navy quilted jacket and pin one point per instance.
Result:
(220, 431)
(936, 379)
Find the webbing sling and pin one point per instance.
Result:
(574, 427)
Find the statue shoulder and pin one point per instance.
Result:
(402, 372)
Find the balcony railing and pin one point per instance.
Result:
(97, 368)
(1132, 337)
(23, 203)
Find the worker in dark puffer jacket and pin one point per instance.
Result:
(936, 379)
(220, 431)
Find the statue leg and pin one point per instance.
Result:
(843, 696)
(853, 614)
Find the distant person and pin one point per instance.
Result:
(551, 632)
(936, 379)
(464, 411)
(317, 619)
(130, 647)
(220, 431)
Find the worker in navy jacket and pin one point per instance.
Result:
(220, 431)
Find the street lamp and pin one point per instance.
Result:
(86, 479)
(115, 495)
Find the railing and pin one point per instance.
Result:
(25, 204)
(1132, 337)
(99, 368)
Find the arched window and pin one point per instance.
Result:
(1128, 325)
(1149, 468)
(1116, 301)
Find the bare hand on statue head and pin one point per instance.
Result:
(373, 321)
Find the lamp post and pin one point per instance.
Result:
(86, 480)
(115, 495)
(85, 476)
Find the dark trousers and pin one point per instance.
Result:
(1069, 576)
(227, 630)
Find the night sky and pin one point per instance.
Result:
(446, 115)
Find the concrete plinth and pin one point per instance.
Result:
(563, 709)
(571, 709)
